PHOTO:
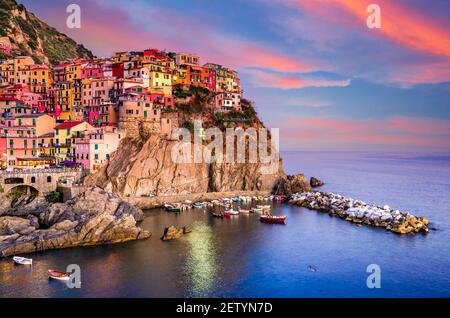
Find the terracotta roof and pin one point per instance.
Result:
(68, 124)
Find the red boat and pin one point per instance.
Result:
(273, 219)
(58, 275)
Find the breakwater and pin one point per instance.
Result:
(360, 212)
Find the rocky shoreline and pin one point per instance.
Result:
(360, 212)
(94, 217)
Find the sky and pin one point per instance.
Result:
(313, 67)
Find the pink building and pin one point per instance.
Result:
(19, 147)
(91, 70)
(226, 102)
(96, 148)
(96, 92)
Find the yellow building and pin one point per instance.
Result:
(64, 133)
(160, 82)
(46, 144)
(64, 101)
(41, 79)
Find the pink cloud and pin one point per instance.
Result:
(260, 78)
(397, 132)
(107, 28)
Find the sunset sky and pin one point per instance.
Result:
(313, 67)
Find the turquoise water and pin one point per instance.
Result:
(242, 257)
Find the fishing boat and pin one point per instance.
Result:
(199, 205)
(232, 212)
(172, 208)
(22, 260)
(219, 215)
(58, 275)
(273, 219)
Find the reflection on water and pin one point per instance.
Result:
(201, 260)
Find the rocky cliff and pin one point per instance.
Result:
(31, 36)
(92, 218)
(144, 167)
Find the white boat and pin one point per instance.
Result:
(264, 207)
(232, 212)
(242, 211)
(22, 260)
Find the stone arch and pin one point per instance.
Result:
(24, 189)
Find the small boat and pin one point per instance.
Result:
(232, 212)
(172, 208)
(218, 215)
(312, 268)
(242, 211)
(58, 275)
(273, 219)
(199, 205)
(22, 260)
(264, 207)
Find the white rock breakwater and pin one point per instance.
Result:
(360, 212)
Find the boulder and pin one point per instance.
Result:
(314, 182)
(93, 217)
(10, 225)
(173, 233)
(291, 184)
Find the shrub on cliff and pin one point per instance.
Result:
(54, 197)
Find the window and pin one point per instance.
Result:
(96, 146)
(49, 179)
(33, 179)
(107, 156)
(96, 156)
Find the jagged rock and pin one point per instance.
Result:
(173, 233)
(314, 182)
(10, 225)
(34, 221)
(94, 217)
(291, 184)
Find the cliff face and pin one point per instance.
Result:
(31, 36)
(143, 166)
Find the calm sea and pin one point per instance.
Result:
(242, 257)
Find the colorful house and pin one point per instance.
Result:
(64, 133)
(95, 149)
(19, 140)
